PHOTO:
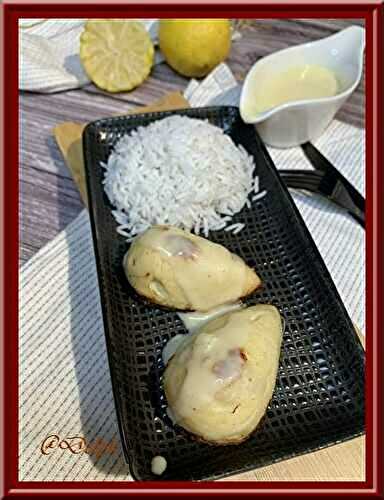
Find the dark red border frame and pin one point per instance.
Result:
(372, 12)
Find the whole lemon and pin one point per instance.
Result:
(193, 47)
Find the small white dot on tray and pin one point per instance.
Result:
(158, 465)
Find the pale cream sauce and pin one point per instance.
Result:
(169, 241)
(171, 347)
(195, 320)
(297, 83)
(158, 465)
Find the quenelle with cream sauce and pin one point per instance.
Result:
(221, 378)
(178, 269)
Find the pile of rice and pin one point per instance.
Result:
(180, 171)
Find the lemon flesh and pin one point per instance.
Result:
(193, 47)
(117, 55)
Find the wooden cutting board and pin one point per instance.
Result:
(341, 462)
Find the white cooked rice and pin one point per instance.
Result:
(260, 195)
(180, 171)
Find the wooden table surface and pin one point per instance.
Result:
(49, 199)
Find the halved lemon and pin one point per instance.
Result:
(117, 55)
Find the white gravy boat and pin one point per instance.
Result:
(296, 122)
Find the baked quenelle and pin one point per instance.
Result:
(220, 380)
(180, 270)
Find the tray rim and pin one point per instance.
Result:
(299, 222)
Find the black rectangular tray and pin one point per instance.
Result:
(319, 394)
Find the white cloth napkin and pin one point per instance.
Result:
(64, 382)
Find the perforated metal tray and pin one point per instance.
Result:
(319, 394)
